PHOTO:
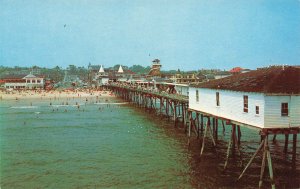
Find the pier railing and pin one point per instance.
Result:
(177, 97)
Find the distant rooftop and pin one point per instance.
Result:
(30, 76)
(278, 80)
(156, 61)
(236, 70)
(13, 76)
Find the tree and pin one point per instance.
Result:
(72, 69)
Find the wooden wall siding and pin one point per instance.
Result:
(273, 116)
(295, 111)
(231, 105)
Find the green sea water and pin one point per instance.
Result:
(95, 146)
(106, 143)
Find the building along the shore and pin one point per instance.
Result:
(120, 75)
(264, 98)
(155, 69)
(102, 76)
(29, 81)
(188, 77)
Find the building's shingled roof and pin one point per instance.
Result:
(20, 76)
(30, 76)
(13, 76)
(236, 70)
(276, 80)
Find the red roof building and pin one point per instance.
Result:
(236, 70)
(23, 81)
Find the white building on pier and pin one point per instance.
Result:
(264, 98)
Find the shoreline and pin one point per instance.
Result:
(53, 94)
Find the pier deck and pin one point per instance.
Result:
(175, 97)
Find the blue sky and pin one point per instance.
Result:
(183, 34)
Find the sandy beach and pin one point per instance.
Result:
(53, 94)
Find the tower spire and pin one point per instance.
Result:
(101, 70)
(120, 69)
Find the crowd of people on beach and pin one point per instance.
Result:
(52, 94)
(64, 100)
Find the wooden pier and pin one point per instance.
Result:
(206, 127)
(175, 107)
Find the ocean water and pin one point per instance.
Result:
(97, 146)
(112, 144)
